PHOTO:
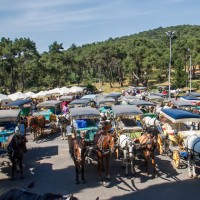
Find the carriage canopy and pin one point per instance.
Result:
(79, 102)
(9, 115)
(126, 110)
(84, 113)
(182, 103)
(47, 104)
(179, 116)
(18, 103)
(142, 103)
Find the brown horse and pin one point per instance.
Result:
(148, 145)
(105, 145)
(16, 149)
(37, 124)
(78, 153)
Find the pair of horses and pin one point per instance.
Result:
(104, 146)
(129, 148)
(15, 152)
(37, 125)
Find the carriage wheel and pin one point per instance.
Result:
(176, 159)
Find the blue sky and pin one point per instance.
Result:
(86, 21)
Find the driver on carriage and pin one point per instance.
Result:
(106, 127)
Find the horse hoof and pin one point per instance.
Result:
(12, 179)
(22, 177)
(123, 167)
(77, 182)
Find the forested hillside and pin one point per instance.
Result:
(137, 59)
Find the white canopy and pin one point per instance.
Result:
(4, 98)
(30, 94)
(18, 95)
(75, 89)
(41, 94)
(55, 91)
(64, 90)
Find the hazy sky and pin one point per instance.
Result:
(86, 21)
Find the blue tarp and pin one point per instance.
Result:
(81, 123)
(18, 103)
(179, 116)
(190, 98)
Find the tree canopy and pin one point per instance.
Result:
(136, 58)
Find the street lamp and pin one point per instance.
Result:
(170, 34)
(190, 69)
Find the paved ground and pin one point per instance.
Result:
(49, 166)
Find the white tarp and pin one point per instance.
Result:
(4, 98)
(18, 95)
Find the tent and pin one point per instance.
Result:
(18, 95)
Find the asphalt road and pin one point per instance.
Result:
(49, 166)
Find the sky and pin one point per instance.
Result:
(87, 21)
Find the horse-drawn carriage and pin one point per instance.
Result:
(49, 110)
(126, 118)
(105, 106)
(84, 145)
(23, 105)
(8, 121)
(13, 144)
(85, 122)
(133, 141)
(146, 107)
(79, 103)
(177, 130)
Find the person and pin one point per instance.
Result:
(65, 109)
(17, 129)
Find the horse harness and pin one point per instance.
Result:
(100, 145)
(194, 144)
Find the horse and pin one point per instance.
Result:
(154, 126)
(104, 145)
(78, 153)
(16, 149)
(63, 122)
(37, 124)
(192, 144)
(21, 194)
(148, 145)
(127, 147)
(150, 122)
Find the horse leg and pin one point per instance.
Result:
(107, 168)
(153, 164)
(132, 167)
(13, 169)
(117, 153)
(190, 166)
(77, 174)
(83, 172)
(126, 164)
(21, 165)
(193, 167)
(146, 163)
(100, 160)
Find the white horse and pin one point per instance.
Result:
(192, 145)
(149, 121)
(127, 147)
